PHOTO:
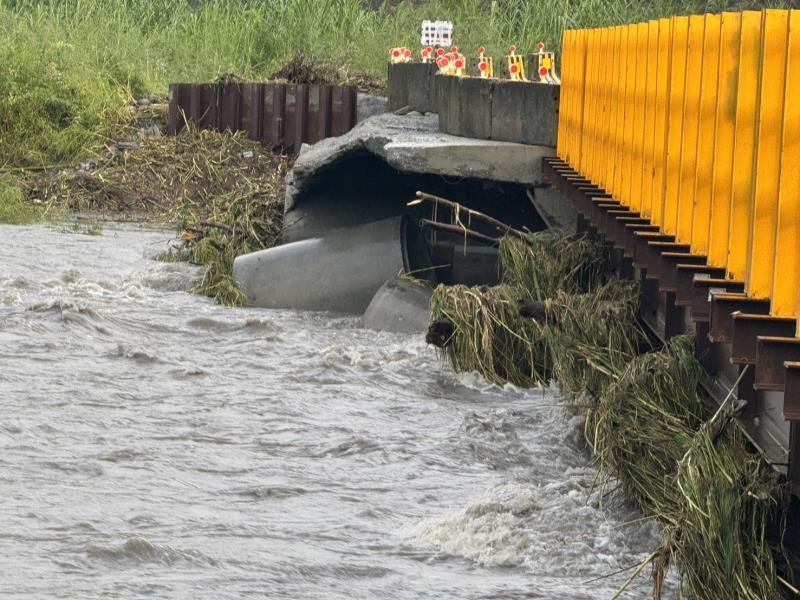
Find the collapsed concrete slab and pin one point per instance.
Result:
(372, 171)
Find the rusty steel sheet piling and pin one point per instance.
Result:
(281, 116)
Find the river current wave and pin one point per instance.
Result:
(154, 444)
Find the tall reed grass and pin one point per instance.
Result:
(69, 65)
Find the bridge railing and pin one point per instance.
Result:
(694, 122)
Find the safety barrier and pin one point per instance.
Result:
(282, 116)
(687, 132)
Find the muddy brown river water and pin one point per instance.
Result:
(153, 444)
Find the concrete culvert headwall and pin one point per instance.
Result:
(374, 170)
(349, 227)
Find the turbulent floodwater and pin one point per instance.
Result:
(154, 444)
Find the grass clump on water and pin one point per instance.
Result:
(593, 336)
(489, 335)
(686, 465)
(644, 422)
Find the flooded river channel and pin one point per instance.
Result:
(153, 444)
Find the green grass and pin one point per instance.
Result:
(69, 66)
(14, 209)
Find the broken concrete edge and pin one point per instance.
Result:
(415, 145)
(369, 106)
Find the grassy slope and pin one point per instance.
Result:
(70, 66)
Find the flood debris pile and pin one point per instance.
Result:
(301, 68)
(687, 465)
(675, 454)
(592, 336)
(481, 330)
(504, 332)
(223, 192)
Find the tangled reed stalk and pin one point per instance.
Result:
(593, 336)
(489, 334)
(720, 539)
(490, 337)
(675, 455)
(548, 261)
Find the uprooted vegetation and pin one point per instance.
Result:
(223, 191)
(301, 68)
(675, 453)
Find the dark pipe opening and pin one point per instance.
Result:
(362, 188)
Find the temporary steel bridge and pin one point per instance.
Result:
(679, 144)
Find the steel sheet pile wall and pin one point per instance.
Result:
(680, 142)
(282, 116)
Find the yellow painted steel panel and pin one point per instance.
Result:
(619, 110)
(580, 102)
(630, 108)
(649, 124)
(592, 99)
(611, 103)
(691, 120)
(575, 97)
(638, 116)
(744, 144)
(599, 114)
(613, 81)
(661, 131)
(680, 39)
(608, 144)
(566, 108)
(602, 108)
(706, 135)
(786, 286)
(563, 93)
(761, 258)
(589, 104)
(724, 138)
(569, 95)
(561, 142)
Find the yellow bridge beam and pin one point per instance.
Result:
(695, 123)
